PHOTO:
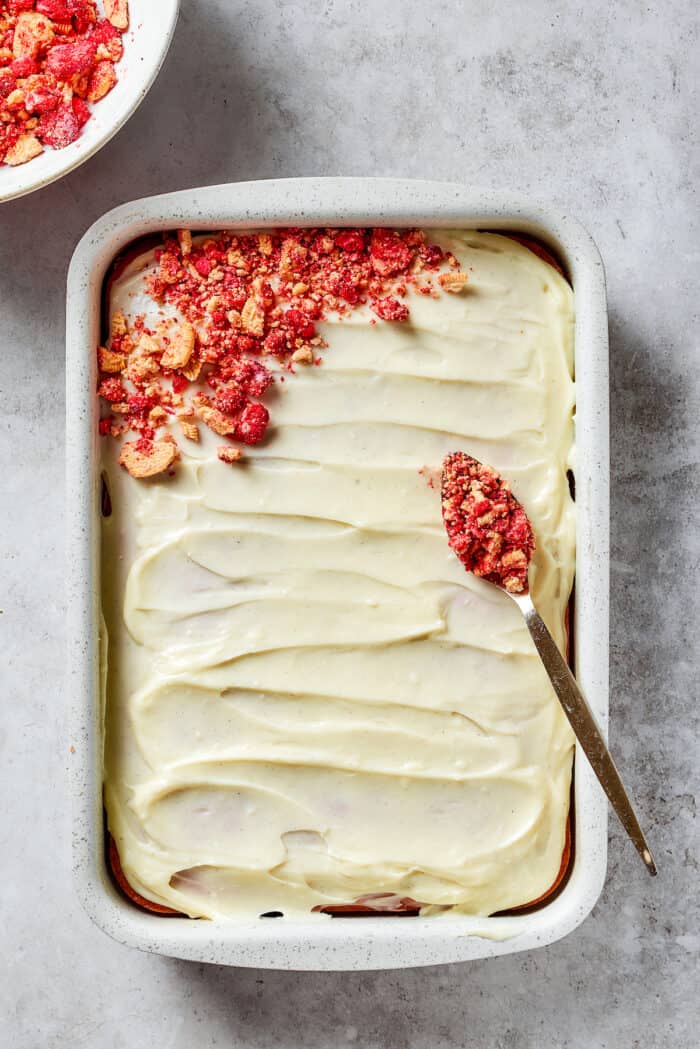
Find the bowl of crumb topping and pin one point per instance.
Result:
(72, 72)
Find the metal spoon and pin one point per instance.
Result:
(463, 479)
(583, 723)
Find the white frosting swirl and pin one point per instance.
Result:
(308, 699)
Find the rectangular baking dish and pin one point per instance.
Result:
(339, 943)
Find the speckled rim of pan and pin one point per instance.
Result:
(336, 944)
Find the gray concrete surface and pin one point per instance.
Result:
(594, 106)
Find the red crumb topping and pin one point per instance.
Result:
(56, 56)
(390, 309)
(244, 298)
(487, 527)
(252, 424)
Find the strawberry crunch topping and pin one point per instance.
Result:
(486, 526)
(56, 56)
(244, 298)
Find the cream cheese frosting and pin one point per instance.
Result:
(308, 700)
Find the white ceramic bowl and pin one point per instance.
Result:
(146, 43)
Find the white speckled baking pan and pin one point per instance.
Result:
(339, 943)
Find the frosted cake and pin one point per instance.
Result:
(308, 702)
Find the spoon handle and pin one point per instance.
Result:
(584, 725)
